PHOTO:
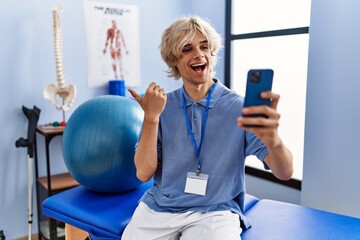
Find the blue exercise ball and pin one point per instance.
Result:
(99, 143)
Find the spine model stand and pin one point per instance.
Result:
(52, 91)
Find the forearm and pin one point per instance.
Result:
(153, 103)
(146, 160)
(280, 161)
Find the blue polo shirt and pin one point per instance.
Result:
(223, 153)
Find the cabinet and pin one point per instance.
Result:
(49, 184)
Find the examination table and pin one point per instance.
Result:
(104, 216)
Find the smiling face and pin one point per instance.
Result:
(195, 63)
(182, 33)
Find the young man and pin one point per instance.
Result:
(194, 144)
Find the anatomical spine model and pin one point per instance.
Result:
(51, 91)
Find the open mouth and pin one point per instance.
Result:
(198, 67)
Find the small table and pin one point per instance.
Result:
(50, 183)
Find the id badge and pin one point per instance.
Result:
(196, 184)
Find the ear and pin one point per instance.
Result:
(174, 63)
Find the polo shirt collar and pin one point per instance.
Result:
(215, 96)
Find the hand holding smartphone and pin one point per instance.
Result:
(258, 81)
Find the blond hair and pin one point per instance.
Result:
(179, 34)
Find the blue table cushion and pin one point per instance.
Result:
(250, 201)
(274, 220)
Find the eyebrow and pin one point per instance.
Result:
(202, 42)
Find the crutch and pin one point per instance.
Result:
(33, 118)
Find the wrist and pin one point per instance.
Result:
(276, 143)
(151, 119)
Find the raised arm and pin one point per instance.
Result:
(279, 159)
(153, 103)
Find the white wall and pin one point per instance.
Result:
(331, 157)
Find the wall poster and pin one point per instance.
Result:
(112, 43)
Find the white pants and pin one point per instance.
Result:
(147, 224)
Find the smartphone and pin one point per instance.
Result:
(258, 81)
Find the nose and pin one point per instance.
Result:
(198, 53)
